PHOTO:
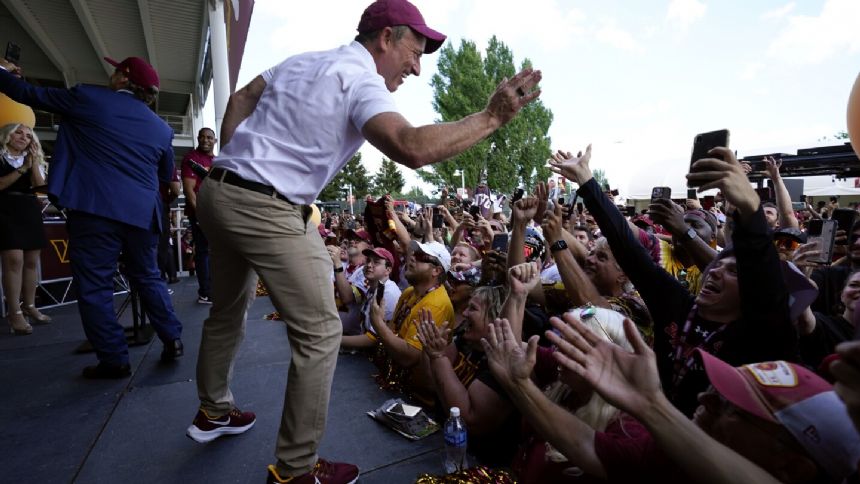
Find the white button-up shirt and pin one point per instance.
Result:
(307, 123)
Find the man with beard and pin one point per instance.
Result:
(398, 349)
(195, 165)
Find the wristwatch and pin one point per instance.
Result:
(691, 234)
(558, 245)
(338, 269)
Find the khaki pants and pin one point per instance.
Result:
(252, 233)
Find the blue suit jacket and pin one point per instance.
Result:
(111, 150)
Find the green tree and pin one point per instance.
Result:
(513, 155)
(389, 179)
(353, 173)
(600, 177)
(416, 195)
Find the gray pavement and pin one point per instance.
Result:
(56, 426)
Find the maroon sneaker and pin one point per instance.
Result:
(206, 429)
(324, 472)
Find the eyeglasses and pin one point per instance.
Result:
(786, 244)
(427, 259)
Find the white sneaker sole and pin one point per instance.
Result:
(203, 436)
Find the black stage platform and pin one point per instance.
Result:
(57, 427)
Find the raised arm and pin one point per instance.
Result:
(415, 147)
(783, 199)
(45, 98)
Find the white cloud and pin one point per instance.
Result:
(684, 13)
(750, 70)
(613, 35)
(778, 12)
(549, 24)
(811, 40)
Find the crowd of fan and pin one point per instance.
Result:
(583, 344)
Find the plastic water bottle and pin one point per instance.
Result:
(455, 442)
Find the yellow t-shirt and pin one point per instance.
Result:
(673, 266)
(436, 301)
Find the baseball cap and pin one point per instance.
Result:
(358, 234)
(137, 70)
(390, 13)
(797, 399)
(381, 253)
(435, 249)
(790, 233)
(324, 232)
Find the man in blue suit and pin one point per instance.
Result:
(111, 151)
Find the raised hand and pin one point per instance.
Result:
(513, 94)
(508, 357)
(524, 209)
(668, 214)
(772, 166)
(522, 278)
(574, 168)
(552, 224)
(728, 176)
(334, 253)
(627, 380)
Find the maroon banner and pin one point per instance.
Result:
(237, 15)
(55, 258)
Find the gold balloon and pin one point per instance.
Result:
(12, 112)
(315, 214)
(854, 116)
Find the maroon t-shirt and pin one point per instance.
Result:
(204, 160)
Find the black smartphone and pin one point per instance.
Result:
(614, 192)
(438, 221)
(380, 291)
(500, 243)
(561, 200)
(579, 207)
(630, 211)
(803, 198)
(845, 219)
(13, 53)
(823, 233)
(518, 194)
(474, 211)
(660, 193)
(705, 142)
(692, 194)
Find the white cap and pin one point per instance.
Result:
(435, 249)
(455, 411)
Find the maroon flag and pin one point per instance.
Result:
(237, 15)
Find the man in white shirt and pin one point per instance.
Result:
(377, 273)
(285, 136)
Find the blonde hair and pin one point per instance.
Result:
(596, 413)
(6, 135)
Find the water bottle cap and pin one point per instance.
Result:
(455, 411)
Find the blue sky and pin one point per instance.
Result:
(636, 79)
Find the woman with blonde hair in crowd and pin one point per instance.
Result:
(22, 236)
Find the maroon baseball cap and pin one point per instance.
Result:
(381, 253)
(137, 71)
(358, 234)
(390, 13)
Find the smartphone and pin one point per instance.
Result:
(561, 201)
(518, 194)
(579, 207)
(13, 53)
(823, 233)
(692, 194)
(660, 193)
(630, 211)
(380, 292)
(500, 243)
(803, 198)
(708, 202)
(614, 192)
(845, 219)
(438, 221)
(705, 142)
(474, 211)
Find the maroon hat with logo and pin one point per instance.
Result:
(137, 70)
(390, 13)
(380, 253)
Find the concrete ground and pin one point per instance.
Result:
(55, 426)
